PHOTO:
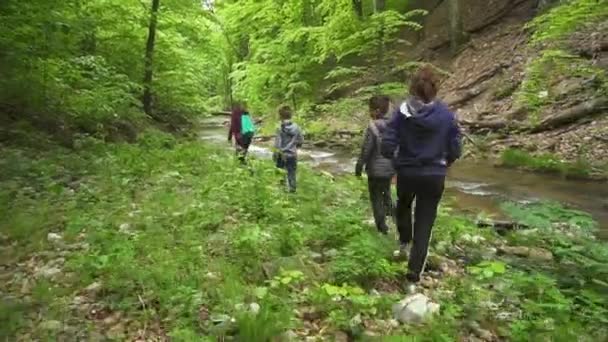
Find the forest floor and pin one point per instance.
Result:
(170, 239)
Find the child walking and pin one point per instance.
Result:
(288, 140)
(379, 169)
(242, 129)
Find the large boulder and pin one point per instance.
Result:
(414, 309)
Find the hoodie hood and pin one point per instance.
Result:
(424, 116)
(289, 127)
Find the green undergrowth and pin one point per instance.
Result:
(185, 242)
(557, 73)
(566, 18)
(546, 162)
(553, 66)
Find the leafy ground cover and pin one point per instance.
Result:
(550, 163)
(172, 239)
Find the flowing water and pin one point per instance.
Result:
(474, 186)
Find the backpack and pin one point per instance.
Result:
(247, 126)
(376, 133)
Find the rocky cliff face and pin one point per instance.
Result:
(475, 15)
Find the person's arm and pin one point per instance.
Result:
(366, 152)
(299, 138)
(390, 136)
(235, 126)
(277, 145)
(454, 141)
(230, 127)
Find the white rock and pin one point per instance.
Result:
(414, 309)
(254, 308)
(48, 272)
(93, 289)
(331, 253)
(54, 238)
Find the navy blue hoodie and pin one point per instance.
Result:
(427, 136)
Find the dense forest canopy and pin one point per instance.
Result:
(84, 62)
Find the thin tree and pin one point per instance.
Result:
(379, 5)
(358, 6)
(456, 26)
(149, 63)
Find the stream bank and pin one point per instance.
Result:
(476, 186)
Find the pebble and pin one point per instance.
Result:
(54, 238)
(48, 272)
(93, 288)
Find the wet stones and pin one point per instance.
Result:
(535, 253)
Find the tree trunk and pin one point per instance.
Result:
(358, 6)
(456, 26)
(379, 6)
(148, 63)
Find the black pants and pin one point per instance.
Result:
(380, 196)
(242, 147)
(427, 190)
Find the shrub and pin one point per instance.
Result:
(363, 260)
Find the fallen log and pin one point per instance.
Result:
(484, 76)
(494, 125)
(593, 50)
(218, 113)
(572, 114)
(501, 225)
(468, 95)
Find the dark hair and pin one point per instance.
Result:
(378, 105)
(285, 113)
(238, 108)
(424, 84)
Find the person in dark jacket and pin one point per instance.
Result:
(428, 139)
(379, 169)
(288, 140)
(241, 143)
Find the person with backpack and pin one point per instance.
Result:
(428, 140)
(287, 141)
(242, 129)
(379, 169)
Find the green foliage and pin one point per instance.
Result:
(169, 240)
(566, 18)
(544, 214)
(284, 52)
(488, 269)
(269, 323)
(545, 162)
(80, 64)
(363, 260)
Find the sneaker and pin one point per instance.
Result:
(403, 252)
(383, 229)
(410, 288)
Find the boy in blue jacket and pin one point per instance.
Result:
(288, 140)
